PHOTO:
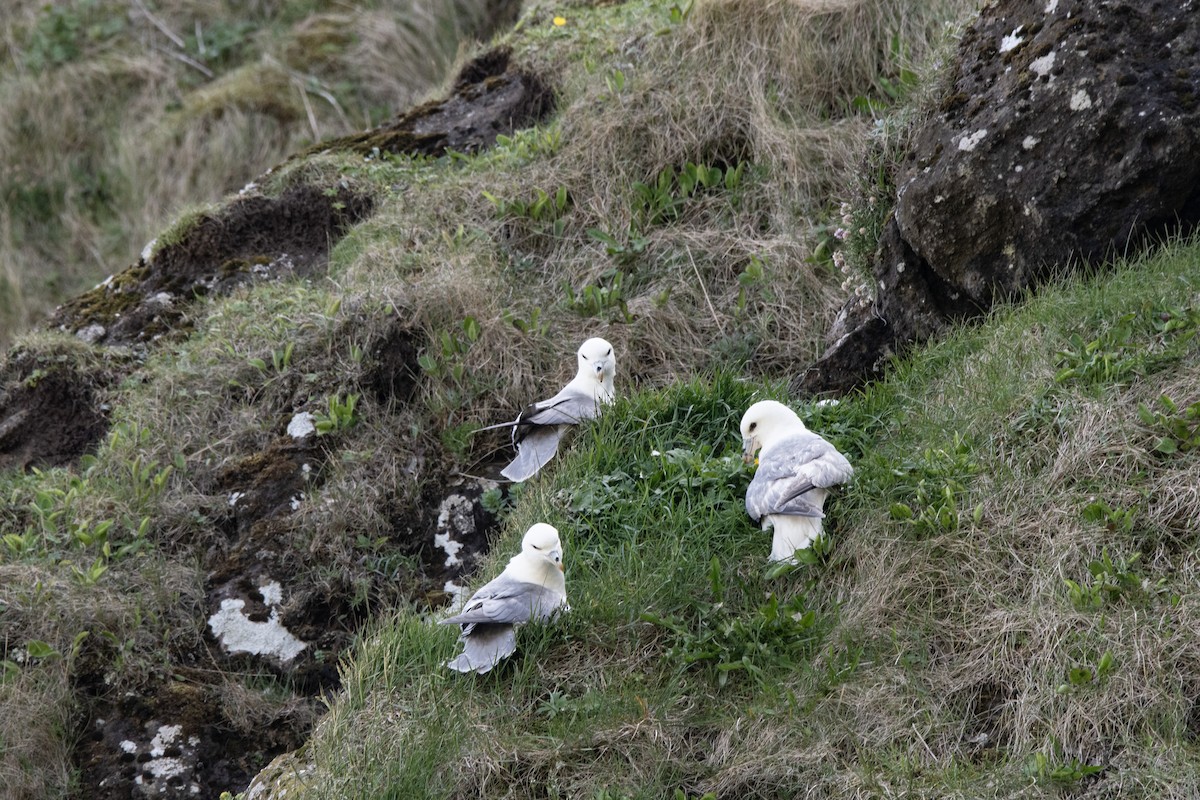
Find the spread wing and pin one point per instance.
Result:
(506, 601)
(568, 407)
(533, 451)
(789, 471)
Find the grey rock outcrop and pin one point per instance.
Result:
(1068, 133)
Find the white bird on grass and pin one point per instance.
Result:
(531, 587)
(796, 467)
(538, 428)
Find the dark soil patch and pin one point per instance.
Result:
(252, 238)
(392, 372)
(52, 409)
(180, 742)
(491, 96)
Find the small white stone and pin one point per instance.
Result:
(900, 268)
(1051, 7)
(1030, 142)
(92, 333)
(233, 498)
(147, 250)
(302, 424)
(128, 746)
(1080, 101)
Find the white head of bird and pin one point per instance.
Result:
(764, 424)
(541, 557)
(597, 364)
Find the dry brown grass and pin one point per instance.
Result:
(104, 148)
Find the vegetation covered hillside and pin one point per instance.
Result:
(115, 116)
(1004, 602)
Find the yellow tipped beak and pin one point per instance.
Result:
(562, 567)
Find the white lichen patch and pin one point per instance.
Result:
(1042, 66)
(1012, 41)
(1080, 101)
(166, 735)
(237, 633)
(272, 593)
(303, 424)
(451, 547)
(1030, 142)
(1051, 7)
(970, 142)
(129, 746)
(234, 497)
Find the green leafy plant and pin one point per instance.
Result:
(545, 210)
(625, 251)
(1059, 771)
(679, 12)
(594, 300)
(752, 282)
(339, 414)
(890, 88)
(561, 704)
(1110, 581)
(446, 359)
(1177, 430)
(1115, 519)
(533, 324)
(1084, 675)
(935, 485)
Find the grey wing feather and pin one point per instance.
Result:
(484, 647)
(488, 619)
(793, 468)
(538, 447)
(504, 600)
(568, 407)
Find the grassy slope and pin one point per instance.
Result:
(443, 261)
(113, 119)
(947, 653)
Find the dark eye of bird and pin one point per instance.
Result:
(609, 353)
(753, 425)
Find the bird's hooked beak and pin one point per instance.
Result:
(556, 557)
(749, 446)
(599, 366)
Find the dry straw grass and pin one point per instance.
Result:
(101, 150)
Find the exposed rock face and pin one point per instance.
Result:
(491, 96)
(253, 238)
(1067, 134)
